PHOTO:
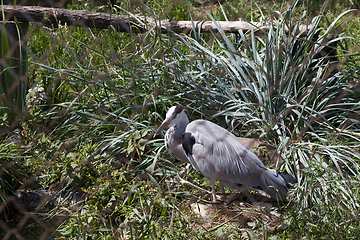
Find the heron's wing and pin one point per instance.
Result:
(218, 154)
(188, 142)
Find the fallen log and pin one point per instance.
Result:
(124, 23)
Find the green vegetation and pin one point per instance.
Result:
(12, 102)
(97, 95)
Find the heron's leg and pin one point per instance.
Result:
(212, 184)
(223, 197)
(222, 189)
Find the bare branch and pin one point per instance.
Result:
(123, 23)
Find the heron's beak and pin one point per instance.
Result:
(162, 126)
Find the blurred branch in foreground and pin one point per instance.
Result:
(126, 23)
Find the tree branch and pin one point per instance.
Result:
(123, 23)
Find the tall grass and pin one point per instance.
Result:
(94, 135)
(13, 78)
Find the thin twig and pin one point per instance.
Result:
(338, 129)
(182, 181)
(201, 200)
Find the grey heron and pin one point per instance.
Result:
(219, 155)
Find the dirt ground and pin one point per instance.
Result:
(237, 212)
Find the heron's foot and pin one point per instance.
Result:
(217, 199)
(227, 199)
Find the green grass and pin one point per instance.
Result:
(107, 91)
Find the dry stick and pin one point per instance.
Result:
(126, 23)
(201, 200)
(338, 129)
(182, 181)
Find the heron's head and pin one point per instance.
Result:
(174, 116)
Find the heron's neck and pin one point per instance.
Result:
(179, 129)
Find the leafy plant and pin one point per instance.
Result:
(92, 135)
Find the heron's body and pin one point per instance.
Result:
(219, 155)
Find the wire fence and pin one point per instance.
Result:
(79, 105)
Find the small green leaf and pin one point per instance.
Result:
(103, 230)
(152, 179)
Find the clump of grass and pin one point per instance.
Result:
(93, 136)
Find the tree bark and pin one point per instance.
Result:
(124, 23)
